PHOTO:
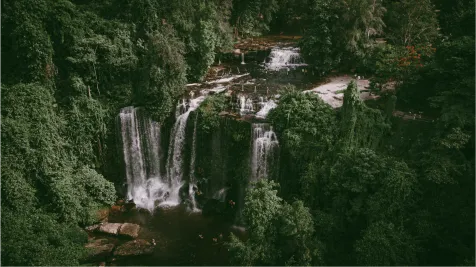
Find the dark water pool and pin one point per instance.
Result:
(182, 238)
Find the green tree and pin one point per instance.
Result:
(279, 233)
(252, 17)
(384, 244)
(306, 128)
(319, 42)
(32, 238)
(411, 23)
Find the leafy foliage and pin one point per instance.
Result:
(209, 112)
(383, 244)
(360, 126)
(304, 121)
(411, 23)
(252, 17)
(278, 232)
(32, 237)
(341, 33)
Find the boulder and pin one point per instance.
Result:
(110, 228)
(237, 51)
(99, 249)
(92, 228)
(130, 230)
(134, 248)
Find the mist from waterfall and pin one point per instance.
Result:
(264, 150)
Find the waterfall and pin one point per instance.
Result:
(175, 157)
(192, 185)
(242, 58)
(264, 150)
(285, 57)
(246, 104)
(267, 107)
(140, 146)
(180, 108)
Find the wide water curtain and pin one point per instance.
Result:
(141, 151)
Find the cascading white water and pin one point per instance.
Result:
(192, 185)
(264, 150)
(246, 104)
(175, 157)
(140, 145)
(181, 108)
(285, 57)
(267, 107)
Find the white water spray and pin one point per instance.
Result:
(284, 58)
(264, 150)
(175, 157)
(246, 104)
(267, 107)
(141, 158)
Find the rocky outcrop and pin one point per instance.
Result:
(134, 248)
(92, 228)
(110, 228)
(99, 249)
(129, 230)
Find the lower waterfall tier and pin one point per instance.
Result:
(204, 166)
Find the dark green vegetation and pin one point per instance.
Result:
(381, 190)
(357, 185)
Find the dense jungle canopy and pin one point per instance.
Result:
(356, 185)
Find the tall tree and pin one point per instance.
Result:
(411, 23)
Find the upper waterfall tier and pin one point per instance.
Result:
(284, 58)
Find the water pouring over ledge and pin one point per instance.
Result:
(140, 145)
(150, 189)
(284, 58)
(175, 157)
(264, 151)
(140, 138)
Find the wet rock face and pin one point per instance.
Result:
(134, 248)
(99, 249)
(129, 230)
